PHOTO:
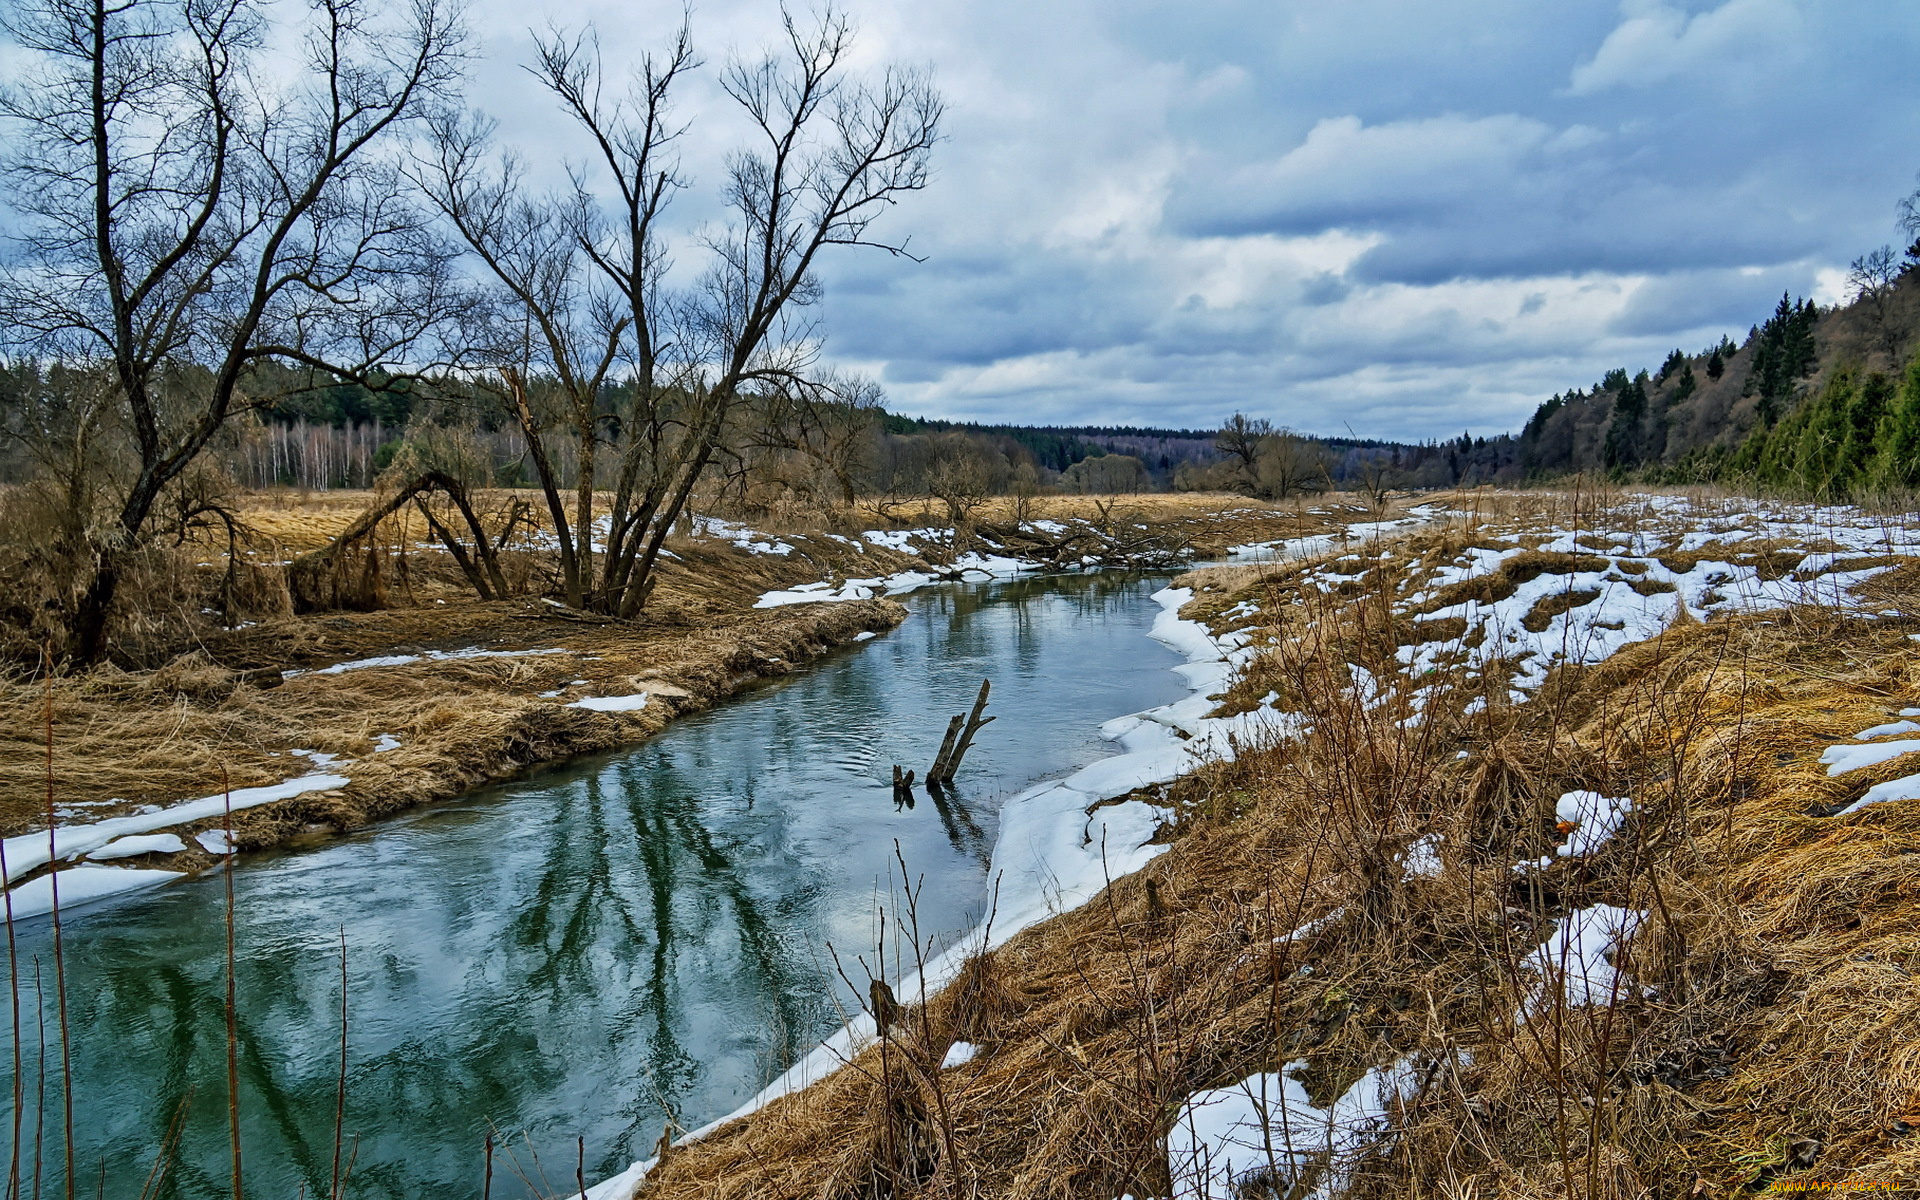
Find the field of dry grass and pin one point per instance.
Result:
(1396, 894)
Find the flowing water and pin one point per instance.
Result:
(585, 950)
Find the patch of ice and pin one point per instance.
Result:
(1595, 819)
(865, 635)
(383, 742)
(958, 1055)
(149, 843)
(82, 885)
(214, 841)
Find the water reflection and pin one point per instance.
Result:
(591, 951)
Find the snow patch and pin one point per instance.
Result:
(1594, 819)
(82, 885)
(1576, 965)
(612, 704)
(128, 847)
(30, 850)
(1841, 759)
(1264, 1135)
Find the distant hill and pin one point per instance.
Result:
(1815, 400)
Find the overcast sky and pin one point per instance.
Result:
(1403, 217)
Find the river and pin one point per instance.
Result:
(567, 959)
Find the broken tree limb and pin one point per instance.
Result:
(934, 773)
(975, 722)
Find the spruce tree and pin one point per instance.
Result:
(1896, 464)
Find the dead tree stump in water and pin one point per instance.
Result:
(959, 739)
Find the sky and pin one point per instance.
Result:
(1398, 218)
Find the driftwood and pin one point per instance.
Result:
(324, 579)
(902, 788)
(959, 739)
(1109, 542)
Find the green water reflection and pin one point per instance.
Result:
(586, 952)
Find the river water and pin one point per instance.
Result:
(581, 952)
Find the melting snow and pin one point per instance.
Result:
(401, 660)
(1841, 759)
(149, 843)
(1595, 819)
(29, 850)
(1264, 1135)
(82, 885)
(1575, 960)
(612, 704)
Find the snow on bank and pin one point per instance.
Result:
(1055, 849)
(612, 704)
(401, 660)
(1265, 1136)
(1633, 594)
(1298, 549)
(82, 885)
(149, 843)
(752, 541)
(30, 850)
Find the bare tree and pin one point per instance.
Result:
(553, 337)
(1287, 464)
(185, 221)
(828, 428)
(1239, 439)
(1873, 279)
(830, 154)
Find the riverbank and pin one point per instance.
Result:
(322, 723)
(1586, 868)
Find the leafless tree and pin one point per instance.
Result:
(1239, 439)
(828, 427)
(830, 153)
(1873, 279)
(1288, 464)
(190, 211)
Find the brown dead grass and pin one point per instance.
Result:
(1771, 1031)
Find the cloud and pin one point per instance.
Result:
(1657, 42)
(1407, 216)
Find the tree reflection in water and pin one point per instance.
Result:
(593, 950)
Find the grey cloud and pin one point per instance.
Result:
(1550, 190)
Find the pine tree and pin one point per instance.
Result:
(1897, 462)
(1857, 449)
(1822, 424)
(1622, 447)
(1716, 365)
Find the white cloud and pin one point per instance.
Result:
(1657, 42)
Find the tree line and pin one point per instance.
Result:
(1816, 401)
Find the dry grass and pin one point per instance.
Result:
(1767, 1026)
